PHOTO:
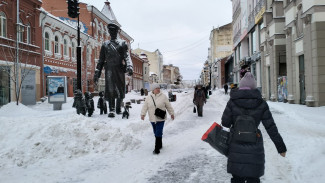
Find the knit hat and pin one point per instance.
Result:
(154, 86)
(247, 82)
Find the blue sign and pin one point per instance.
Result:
(47, 70)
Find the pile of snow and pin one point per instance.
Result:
(38, 144)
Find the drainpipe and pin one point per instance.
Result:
(43, 42)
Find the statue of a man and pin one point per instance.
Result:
(115, 58)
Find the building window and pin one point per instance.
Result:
(3, 25)
(29, 34)
(65, 47)
(20, 31)
(47, 41)
(253, 42)
(56, 44)
(73, 49)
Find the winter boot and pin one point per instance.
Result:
(159, 141)
(156, 151)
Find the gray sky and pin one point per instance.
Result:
(180, 29)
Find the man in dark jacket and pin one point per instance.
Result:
(114, 57)
(199, 100)
(226, 88)
(246, 160)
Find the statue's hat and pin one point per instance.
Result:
(113, 25)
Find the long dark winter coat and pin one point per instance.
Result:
(115, 58)
(199, 97)
(247, 160)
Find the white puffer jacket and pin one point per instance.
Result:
(162, 103)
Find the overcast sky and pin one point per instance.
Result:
(180, 29)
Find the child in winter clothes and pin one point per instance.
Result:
(246, 159)
(89, 103)
(102, 103)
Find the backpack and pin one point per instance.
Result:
(245, 130)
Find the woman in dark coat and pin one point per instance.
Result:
(199, 100)
(246, 160)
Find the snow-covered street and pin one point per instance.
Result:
(38, 144)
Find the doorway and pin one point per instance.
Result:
(28, 89)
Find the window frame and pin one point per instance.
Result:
(56, 45)
(3, 24)
(47, 42)
(28, 34)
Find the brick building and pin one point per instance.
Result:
(94, 27)
(137, 78)
(28, 54)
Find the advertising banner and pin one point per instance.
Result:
(56, 87)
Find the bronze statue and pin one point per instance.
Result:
(115, 58)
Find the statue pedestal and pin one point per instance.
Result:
(57, 106)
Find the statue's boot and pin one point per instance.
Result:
(111, 103)
(118, 106)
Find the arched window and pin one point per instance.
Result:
(47, 41)
(65, 47)
(20, 31)
(3, 25)
(29, 34)
(56, 44)
(73, 50)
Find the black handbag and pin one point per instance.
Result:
(158, 112)
(217, 138)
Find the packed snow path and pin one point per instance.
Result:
(38, 144)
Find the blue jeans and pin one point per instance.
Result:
(158, 128)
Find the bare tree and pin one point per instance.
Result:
(18, 62)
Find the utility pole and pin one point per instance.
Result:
(17, 53)
(73, 12)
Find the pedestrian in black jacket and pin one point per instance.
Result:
(226, 88)
(246, 160)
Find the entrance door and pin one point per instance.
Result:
(302, 79)
(28, 90)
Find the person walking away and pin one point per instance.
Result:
(226, 88)
(245, 111)
(157, 100)
(142, 91)
(101, 104)
(199, 100)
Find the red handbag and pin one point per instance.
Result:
(218, 138)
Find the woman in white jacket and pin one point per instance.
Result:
(153, 101)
